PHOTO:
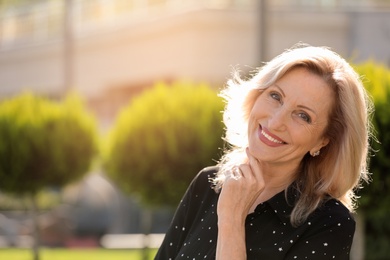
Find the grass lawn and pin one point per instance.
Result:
(74, 254)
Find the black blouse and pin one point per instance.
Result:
(326, 234)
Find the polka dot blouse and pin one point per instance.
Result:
(327, 233)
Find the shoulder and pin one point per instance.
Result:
(335, 208)
(210, 171)
(205, 176)
(333, 213)
(327, 233)
(202, 182)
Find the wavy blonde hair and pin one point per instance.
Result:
(342, 165)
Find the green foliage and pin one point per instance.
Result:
(75, 254)
(43, 143)
(46, 198)
(375, 198)
(163, 138)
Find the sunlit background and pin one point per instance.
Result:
(109, 51)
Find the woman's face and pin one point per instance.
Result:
(289, 118)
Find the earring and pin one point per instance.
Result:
(316, 153)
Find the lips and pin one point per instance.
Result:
(269, 138)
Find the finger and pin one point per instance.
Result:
(246, 171)
(236, 173)
(254, 165)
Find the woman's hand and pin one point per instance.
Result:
(239, 192)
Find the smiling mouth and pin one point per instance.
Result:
(270, 138)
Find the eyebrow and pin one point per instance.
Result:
(300, 106)
(308, 108)
(280, 89)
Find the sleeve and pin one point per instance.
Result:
(182, 221)
(330, 239)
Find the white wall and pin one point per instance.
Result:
(202, 44)
(198, 45)
(286, 28)
(37, 68)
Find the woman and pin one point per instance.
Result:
(298, 132)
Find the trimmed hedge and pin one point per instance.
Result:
(162, 139)
(43, 143)
(375, 197)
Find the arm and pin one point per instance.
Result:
(238, 194)
(231, 240)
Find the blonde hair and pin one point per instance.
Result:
(342, 164)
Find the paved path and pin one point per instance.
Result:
(131, 240)
(111, 241)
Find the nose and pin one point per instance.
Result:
(278, 119)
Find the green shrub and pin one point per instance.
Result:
(162, 139)
(375, 198)
(43, 143)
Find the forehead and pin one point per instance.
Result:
(307, 88)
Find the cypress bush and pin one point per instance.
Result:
(43, 143)
(162, 139)
(375, 198)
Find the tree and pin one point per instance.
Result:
(44, 144)
(375, 198)
(162, 139)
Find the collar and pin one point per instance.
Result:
(283, 203)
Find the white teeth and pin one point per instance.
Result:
(270, 138)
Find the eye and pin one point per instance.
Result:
(305, 117)
(275, 95)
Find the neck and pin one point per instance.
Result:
(276, 179)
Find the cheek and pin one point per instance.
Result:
(302, 135)
(255, 117)
(308, 138)
(259, 108)
(252, 114)
(252, 124)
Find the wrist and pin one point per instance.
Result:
(231, 224)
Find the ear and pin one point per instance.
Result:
(324, 142)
